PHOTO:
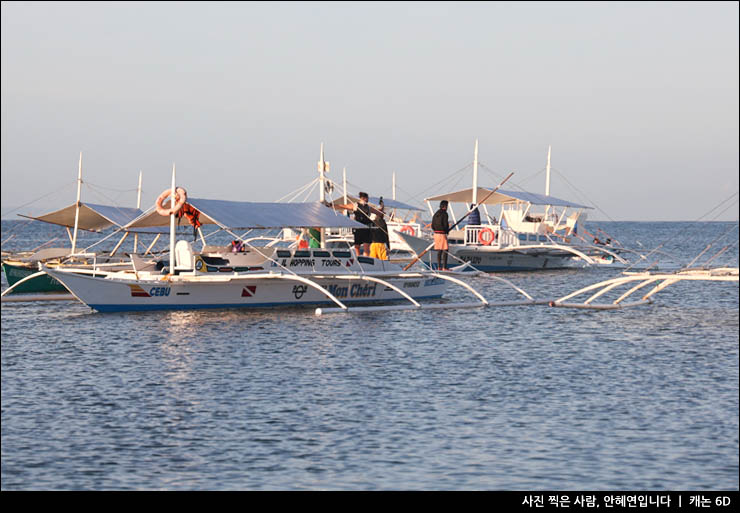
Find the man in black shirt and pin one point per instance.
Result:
(441, 227)
(363, 236)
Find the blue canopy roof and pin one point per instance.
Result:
(242, 214)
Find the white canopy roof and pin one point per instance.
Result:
(242, 214)
(93, 218)
(504, 196)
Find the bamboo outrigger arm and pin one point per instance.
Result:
(21, 281)
(529, 301)
(415, 305)
(727, 274)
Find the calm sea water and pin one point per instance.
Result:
(525, 398)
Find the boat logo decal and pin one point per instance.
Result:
(159, 291)
(137, 291)
(249, 291)
(356, 290)
(299, 290)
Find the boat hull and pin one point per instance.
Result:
(114, 295)
(515, 261)
(43, 283)
(508, 260)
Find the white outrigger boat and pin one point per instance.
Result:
(256, 277)
(528, 232)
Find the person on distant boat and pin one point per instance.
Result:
(380, 246)
(474, 217)
(441, 227)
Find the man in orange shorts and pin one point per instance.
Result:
(441, 227)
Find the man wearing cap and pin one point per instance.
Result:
(441, 227)
(363, 236)
(381, 244)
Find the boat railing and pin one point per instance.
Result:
(503, 237)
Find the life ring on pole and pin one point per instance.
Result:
(486, 236)
(180, 198)
(408, 229)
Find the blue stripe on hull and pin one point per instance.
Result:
(146, 308)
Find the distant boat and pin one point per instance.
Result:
(91, 217)
(528, 232)
(18, 266)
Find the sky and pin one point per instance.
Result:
(638, 100)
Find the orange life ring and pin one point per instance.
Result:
(486, 240)
(180, 198)
(408, 229)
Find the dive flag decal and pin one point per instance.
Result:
(350, 262)
(249, 290)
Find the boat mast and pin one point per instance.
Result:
(172, 223)
(547, 172)
(323, 168)
(393, 195)
(77, 205)
(547, 179)
(138, 206)
(475, 175)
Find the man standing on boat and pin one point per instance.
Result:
(363, 236)
(441, 227)
(381, 244)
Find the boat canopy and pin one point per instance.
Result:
(375, 201)
(93, 218)
(504, 196)
(243, 214)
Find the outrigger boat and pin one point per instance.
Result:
(256, 277)
(529, 231)
(91, 217)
